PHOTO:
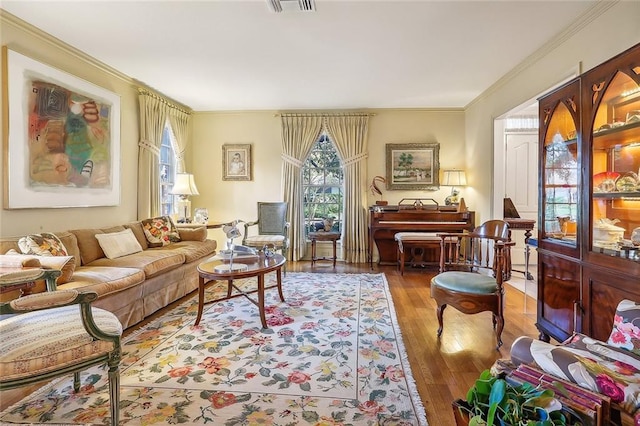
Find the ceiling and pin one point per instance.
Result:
(240, 55)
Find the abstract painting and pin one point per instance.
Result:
(63, 140)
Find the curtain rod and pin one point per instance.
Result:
(329, 114)
(164, 100)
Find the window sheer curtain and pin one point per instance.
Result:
(349, 133)
(154, 113)
(299, 133)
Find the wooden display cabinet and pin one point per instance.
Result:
(582, 278)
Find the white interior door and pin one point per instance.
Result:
(521, 184)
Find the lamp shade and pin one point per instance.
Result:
(184, 185)
(453, 178)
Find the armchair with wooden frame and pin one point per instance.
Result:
(473, 267)
(273, 227)
(54, 333)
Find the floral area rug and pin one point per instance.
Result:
(332, 355)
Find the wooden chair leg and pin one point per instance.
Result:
(500, 327)
(114, 393)
(76, 382)
(439, 313)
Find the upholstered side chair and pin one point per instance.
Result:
(472, 271)
(55, 333)
(273, 227)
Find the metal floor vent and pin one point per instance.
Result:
(292, 5)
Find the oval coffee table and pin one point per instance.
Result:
(255, 268)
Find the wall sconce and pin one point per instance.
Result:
(184, 186)
(453, 178)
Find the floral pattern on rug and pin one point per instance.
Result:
(331, 356)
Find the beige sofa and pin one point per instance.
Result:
(136, 285)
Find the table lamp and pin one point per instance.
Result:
(231, 230)
(184, 186)
(453, 178)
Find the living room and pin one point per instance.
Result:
(465, 134)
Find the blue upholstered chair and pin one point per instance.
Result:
(472, 271)
(273, 227)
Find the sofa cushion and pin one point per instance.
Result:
(151, 262)
(104, 280)
(193, 234)
(160, 231)
(626, 327)
(43, 244)
(192, 250)
(71, 244)
(118, 244)
(136, 227)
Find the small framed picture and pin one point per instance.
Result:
(413, 166)
(236, 162)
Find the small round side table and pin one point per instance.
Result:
(323, 236)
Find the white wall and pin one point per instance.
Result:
(614, 30)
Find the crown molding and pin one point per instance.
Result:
(582, 21)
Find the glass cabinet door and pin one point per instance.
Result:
(615, 164)
(560, 169)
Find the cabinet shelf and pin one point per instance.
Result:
(616, 195)
(627, 134)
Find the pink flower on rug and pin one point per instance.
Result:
(260, 340)
(213, 365)
(309, 326)
(249, 332)
(371, 408)
(281, 365)
(222, 399)
(384, 345)
(279, 320)
(392, 373)
(369, 353)
(249, 376)
(286, 333)
(179, 371)
(317, 303)
(298, 377)
(237, 323)
(343, 313)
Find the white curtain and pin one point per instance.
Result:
(299, 133)
(179, 121)
(154, 113)
(349, 132)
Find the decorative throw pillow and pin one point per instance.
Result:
(160, 231)
(193, 234)
(626, 327)
(44, 244)
(118, 244)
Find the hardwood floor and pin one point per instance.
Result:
(443, 369)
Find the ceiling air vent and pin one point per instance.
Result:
(292, 5)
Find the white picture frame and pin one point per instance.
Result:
(62, 138)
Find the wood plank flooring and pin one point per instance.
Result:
(443, 369)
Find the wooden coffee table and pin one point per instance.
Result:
(263, 265)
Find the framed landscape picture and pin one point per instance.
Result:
(236, 162)
(413, 166)
(62, 141)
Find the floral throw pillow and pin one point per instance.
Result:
(44, 244)
(160, 231)
(626, 327)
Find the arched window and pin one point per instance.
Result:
(167, 172)
(322, 180)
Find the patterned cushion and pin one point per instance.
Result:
(626, 327)
(160, 231)
(260, 240)
(118, 244)
(44, 244)
(37, 342)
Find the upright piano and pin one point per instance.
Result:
(385, 221)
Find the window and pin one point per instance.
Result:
(167, 173)
(322, 181)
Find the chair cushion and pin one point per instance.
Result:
(626, 327)
(38, 342)
(260, 240)
(465, 282)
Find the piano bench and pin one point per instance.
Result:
(409, 241)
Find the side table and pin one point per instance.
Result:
(323, 236)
